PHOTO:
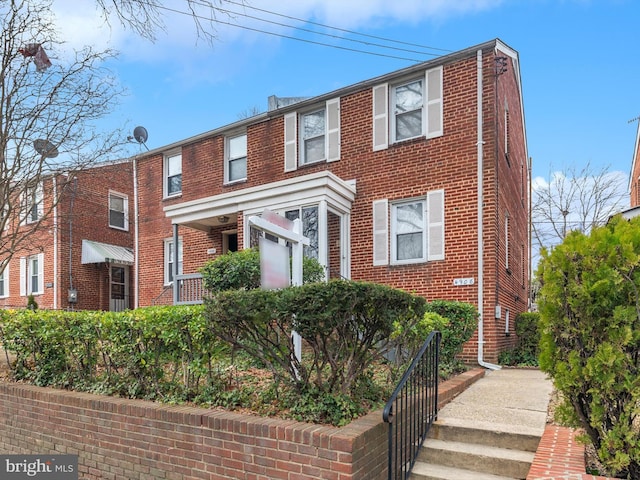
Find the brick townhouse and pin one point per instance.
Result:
(77, 251)
(417, 179)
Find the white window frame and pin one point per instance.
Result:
(506, 241)
(168, 259)
(294, 139)
(228, 159)
(395, 113)
(168, 157)
(385, 229)
(395, 206)
(124, 212)
(32, 267)
(34, 203)
(4, 279)
(384, 108)
(304, 139)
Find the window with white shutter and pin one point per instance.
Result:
(409, 231)
(290, 150)
(333, 130)
(434, 103)
(4, 282)
(435, 225)
(32, 275)
(380, 232)
(408, 109)
(380, 122)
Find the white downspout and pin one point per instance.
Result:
(480, 146)
(55, 243)
(136, 263)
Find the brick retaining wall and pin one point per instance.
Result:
(137, 440)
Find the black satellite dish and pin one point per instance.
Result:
(45, 148)
(140, 134)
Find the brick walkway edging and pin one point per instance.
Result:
(560, 457)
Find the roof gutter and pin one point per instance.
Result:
(480, 147)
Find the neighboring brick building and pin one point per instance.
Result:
(385, 177)
(80, 253)
(417, 179)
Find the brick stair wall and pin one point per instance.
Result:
(119, 438)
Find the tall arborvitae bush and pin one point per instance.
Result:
(590, 326)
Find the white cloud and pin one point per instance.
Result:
(82, 23)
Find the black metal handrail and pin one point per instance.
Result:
(412, 408)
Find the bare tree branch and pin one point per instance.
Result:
(575, 199)
(55, 106)
(145, 17)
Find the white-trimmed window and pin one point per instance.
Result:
(118, 211)
(235, 166)
(169, 255)
(173, 174)
(32, 275)
(408, 109)
(506, 133)
(4, 282)
(318, 133)
(33, 203)
(506, 242)
(312, 139)
(407, 104)
(409, 231)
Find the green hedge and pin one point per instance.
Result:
(155, 352)
(462, 322)
(344, 325)
(203, 353)
(241, 270)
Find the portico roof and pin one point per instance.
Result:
(203, 213)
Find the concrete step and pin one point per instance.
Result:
(503, 436)
(423, 471)
(476, 457)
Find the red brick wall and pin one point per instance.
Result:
(82, 213)
(404, 170)
(117, 438)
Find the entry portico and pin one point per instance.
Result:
(321, 200)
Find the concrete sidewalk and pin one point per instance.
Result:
(508, 400)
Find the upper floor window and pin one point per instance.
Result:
(407, 103)
(507, 234)
(408, 109)
(312, 133)
(506, 133)
(118, 211)
(172, 174)
(236, 158)
(33, 203)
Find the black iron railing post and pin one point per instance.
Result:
(412, 408)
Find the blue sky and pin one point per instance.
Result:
(579, 64)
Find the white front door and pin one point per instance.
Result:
(118, 288)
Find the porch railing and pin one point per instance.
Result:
(412, 409)
(190, 289)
